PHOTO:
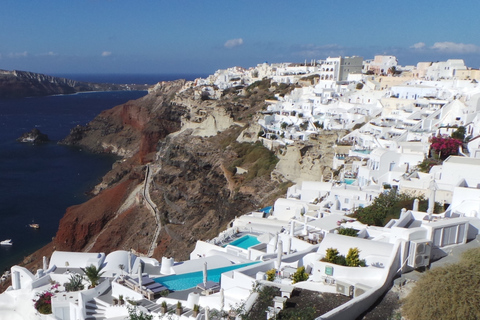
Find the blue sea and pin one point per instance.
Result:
(39, 182)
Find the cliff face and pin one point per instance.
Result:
(192, 146)
(19, 84)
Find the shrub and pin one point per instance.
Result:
(271, 274)
(447, 293)
(304, 126)
(348, 232)
(75, 283)
(353, 258)
(459, 134)
(387, 206)
(43, 303)
(318, 124)
(427, 164)
(255, 157)
(331, 255)
(444, 146)
(300, 275)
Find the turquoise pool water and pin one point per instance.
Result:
(267, 209)
(245, 242)
(189, 280)
(349, 181)
(363, 151)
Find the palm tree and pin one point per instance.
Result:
(93, 274)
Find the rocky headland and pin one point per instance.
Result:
(20, 84)
(191, 147)
(33, 136)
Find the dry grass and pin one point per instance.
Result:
(450, 292)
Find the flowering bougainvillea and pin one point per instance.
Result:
(43, 302)
(445, 146)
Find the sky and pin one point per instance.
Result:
(181, 37)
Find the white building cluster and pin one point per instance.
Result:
(391, 112)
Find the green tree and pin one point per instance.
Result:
(300, 275)
(331, 255)
(93, 274)
(353, 258)
(459, 134)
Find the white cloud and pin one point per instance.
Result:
(418, 45)
(106, 53)
(233, 43)
(50, 53)
(18, 54)
(452, 47)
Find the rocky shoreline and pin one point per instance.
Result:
(34, 136)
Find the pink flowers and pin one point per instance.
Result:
(445, 146)
(43, 303)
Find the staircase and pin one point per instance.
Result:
(96, 309)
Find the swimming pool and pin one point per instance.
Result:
(349, 181)
(245, 242)
(189, 280)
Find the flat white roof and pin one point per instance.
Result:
(76, 259)
(463, 160)
(327, 223)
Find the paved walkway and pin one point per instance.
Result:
(153, 208)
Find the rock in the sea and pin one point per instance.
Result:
(34, 136)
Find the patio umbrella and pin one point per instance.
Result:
(140, 275)
(279, 253)
(205, 275)
(289, 245)
(129, 267)
(222, 299)
(207, 309)
(45, 265)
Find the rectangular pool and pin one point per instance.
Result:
(190, 280)
(245, 242)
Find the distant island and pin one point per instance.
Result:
(20, 84)
(34, 136)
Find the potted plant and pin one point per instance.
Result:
(163, 307)
(115, 301)
(120, 299)
(179, 308)
(93, 274)
(196, 310)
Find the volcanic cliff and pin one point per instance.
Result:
(190, 145)
(19, 84)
